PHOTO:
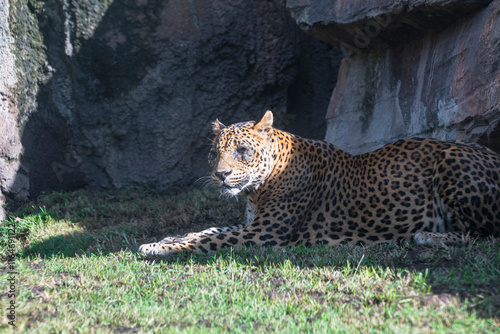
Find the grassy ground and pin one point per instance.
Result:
(77, 270)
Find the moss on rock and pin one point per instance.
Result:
(30, 54)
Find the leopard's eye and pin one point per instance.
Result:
(242, 150)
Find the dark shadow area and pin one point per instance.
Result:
(312, 90)
(492, 140)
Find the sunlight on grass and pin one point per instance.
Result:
(79, 272)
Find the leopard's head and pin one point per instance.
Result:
(241, 157)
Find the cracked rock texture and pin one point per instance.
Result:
(12, 174)
(415, 69)
(113, 94)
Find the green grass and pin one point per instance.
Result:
(78, 271)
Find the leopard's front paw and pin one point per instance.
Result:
(155, 248)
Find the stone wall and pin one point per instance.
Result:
(112, 94)
(415, 69)
(10, 144)
(20, 59)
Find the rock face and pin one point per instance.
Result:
(13, 181)
(423, 69)
(102, 93)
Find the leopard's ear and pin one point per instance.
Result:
(217, 126)
(265, 126)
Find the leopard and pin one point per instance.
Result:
(304, 192)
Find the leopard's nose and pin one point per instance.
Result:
(223, 174)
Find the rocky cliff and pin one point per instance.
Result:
(102, 93)
(415, 69)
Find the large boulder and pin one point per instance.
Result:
(425, 69)
(13, 179)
